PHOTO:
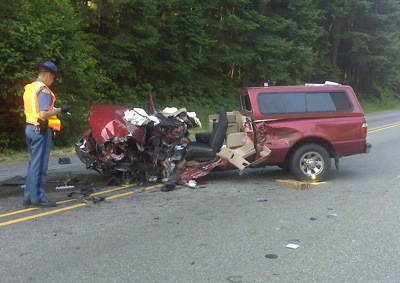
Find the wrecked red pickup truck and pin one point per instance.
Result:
(300, 128)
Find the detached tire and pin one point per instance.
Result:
(310, 162)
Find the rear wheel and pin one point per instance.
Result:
(310, 162)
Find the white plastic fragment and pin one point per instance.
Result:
(169, 111)
(193, 115)
(292, 246)
(64, 187)
(172, 111)
(192, 183)
(139, 117)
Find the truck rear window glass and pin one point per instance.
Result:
(302, 102)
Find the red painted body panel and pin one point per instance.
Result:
(343, 133)
(107, 122)
(281, 132)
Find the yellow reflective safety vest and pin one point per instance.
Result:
(31, 105)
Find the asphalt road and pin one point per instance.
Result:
(346, 229)
(10, 170)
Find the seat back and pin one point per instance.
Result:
(219, 131)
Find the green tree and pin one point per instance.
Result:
(30, 36)
(364, 40)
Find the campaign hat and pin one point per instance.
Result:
(50, 66)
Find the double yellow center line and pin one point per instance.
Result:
(58, 210)
(384, 127)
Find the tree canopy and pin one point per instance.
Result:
(193, 52)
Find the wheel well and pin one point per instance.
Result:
(327, 145)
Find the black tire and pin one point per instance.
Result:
(310, 162)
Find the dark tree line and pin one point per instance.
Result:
(192, 53)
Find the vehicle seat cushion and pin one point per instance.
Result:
(200, 152)
(219, 132)
(203, 137)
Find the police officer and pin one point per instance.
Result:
(41, 119)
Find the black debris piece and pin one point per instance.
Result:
(64, 160)
(271, 256)
(168, 187)
(92, 200)
(82, 193)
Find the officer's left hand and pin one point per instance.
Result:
(65, 108)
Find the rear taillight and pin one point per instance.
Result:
(364, 129)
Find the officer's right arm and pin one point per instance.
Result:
(45, 100)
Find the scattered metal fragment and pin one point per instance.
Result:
(70, 182)
(82, 193)
(262, 199)
(332, 216)
(92, 200)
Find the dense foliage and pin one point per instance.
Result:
(192, 53)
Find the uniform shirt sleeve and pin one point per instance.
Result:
(44, 99)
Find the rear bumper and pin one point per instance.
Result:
(367, 148)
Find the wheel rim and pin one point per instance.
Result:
(311, 163)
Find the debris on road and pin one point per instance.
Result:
(298, 185)
(64, 160)
(262, 199)
(271, 256)
(69, 183)
(332, 216)
(82, 193)
(168, 187)
(65, 187)
(192, 184)
(92, 200)
(292, 246)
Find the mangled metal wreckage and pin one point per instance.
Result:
(137, 146)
